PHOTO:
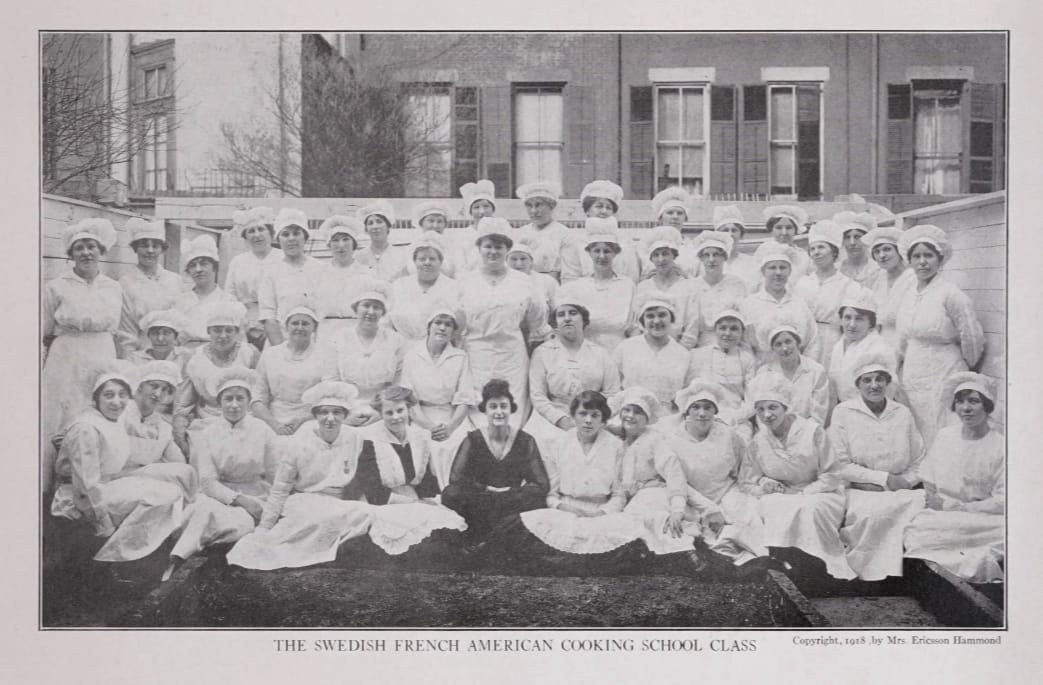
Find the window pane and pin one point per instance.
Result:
(782, 124)
(526, 117)
(669, 114)
(693, 162)
(537, 164)
(150, 83)
(938, 126)
(693, 115)
(936, 177)
(722, 103)
(754, 103)
(668, 165)
(782, 167)
(551, 115)
(161, 81)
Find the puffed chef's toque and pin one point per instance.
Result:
(287, 217)
(113, 370)
(638, 396)
(662, 236)
(429, 240)
(724, 215)
(826, 231)
(775, 252)
(602, 230)
(547, 190)
(99, 230)
(339, 224)
(871, 361)
(925, 233)
(881, 235)
(140, 229)
(225, 314)
(201, 246)
(968, 380)
(792, 212)
(494, 226)
(859, 298)
(668, 199)
(425, 209)
(381, 208)
(378, 291)
(655, 299)
(232, 377)
(165, 318)
(330, 394)
(770, 387)
(305, 308)
(479, 190)
(159, 370)
(603, 189)
(699, 390)
(243, 219)
(718, 239)
(859, 221)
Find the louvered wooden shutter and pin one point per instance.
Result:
(900, 138)
(496, 137)
(579, 138)
(642, 143)
(724, 140)
(808, 142)
(465, 136)
(753, 141)
(983, 166)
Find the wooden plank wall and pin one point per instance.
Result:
(977, 227)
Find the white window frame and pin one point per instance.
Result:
(773, 144)
(160, 72)
(518, 145)
(421, 90)
(705, 143)
(150, 150)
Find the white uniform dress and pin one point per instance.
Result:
(195, 309)
(712, 300)
(938, 335)
(734, 371)
(193, 399)
(153, 453)
(888, 297)
(711, 467)
(368, 365)
(83, 318)
(337, 290)
(576, 262)
(761, 309)
(233, 461)
(823, 298)
(388, 266)
(283, 376)
(809, 386)
(864, 275)
(809, 512)
(547, 243)
(493, 338)
(684, 295)
(746, 267)
(592, 483)
(846, 357)
(556, 376)
(800, 261)
(440, 385)
(412, 304)
(305, 520)
(609, 303)
(285, 285)
(143, 294)
(135, 512)
(966, 536)
(869, 448)
(664, 371)
(244, 278)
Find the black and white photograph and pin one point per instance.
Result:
(516, 329)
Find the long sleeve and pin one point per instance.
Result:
(538, 389)
(818, 407)
(812, 346)
(618, 494)
(127, 333)
(669, 468)
(83, 450)
(274, 448)
(460, 473)
(536, 479)
(571, 263)
(266, 301)
(972, 338)
(690, 326)
(232, 281)
(185, 399)
(263, 387)
(282, 488)
(996, 502)
(846, 467)
(209, 478)
(172, 454)
(554, 496)
(536, 317)
(918, 451)
(750, 474)
(828, 479)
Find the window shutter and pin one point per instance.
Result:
(579, 138)
(1000, 152)
(465, 136)
(809, 133)
(724, 140)
(984, 142)
(642, 143)
(900, 138)
(753, 141)
(496, 137)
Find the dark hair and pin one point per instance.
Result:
(441, 256)
(616, 247)
(770, 223)
(549, 200)
(97, 391)
(864, 312)
(209, 259)
(591, 399)
(886, 373)
(986, 402)
(480, 199)
(497, 239)
(270, 227)
(688, 409)
(835, 250)
(742, 229)
(673, 317)
(589, 201)
(101, 248)
(134, 243)
(795, 335)
(935, 250)
(583, 312)
(315, 409)
(393, 393)
(354, 242)
(249, 395)
(387, 221)
(494, 390)
(456, 325)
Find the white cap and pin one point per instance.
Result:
(699, 390)
(654, 299)
(113, 370)
(479, 190)
(427, 208)
(339, 223)
(770, 387)
(881, 235)
(430, 240)
(99, 230)
(604, 189)
(548, 190)
(826, 231)
(797, 214)
(668, 198)
(159, 370)
(166, 318)
(662, 236)
(243, 219)
(783, 327)
(968, 380)
(875, 359)
(302, 308)
(772, 251)
(602, 230)
(638, 396)
(861, 221)
(724, 215)
(225, 314)
(288, 216)
(201, 246)
(232, 377)
(859, 298)
(718, 239)
(571, 293)
(494, 226)
(442, 310)
(522, 247)
(140, 229)
(379, 208)
(376, 291)
(925, 233)
(331, 394)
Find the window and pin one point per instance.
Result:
(152, 157)
(429, 143)
(155, 83)
(681, 117)
(937, 134)
(538, 127)
(794, 114)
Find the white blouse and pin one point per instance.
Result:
(869, 448)
(283, 378)
(235, 459)
(970, 475)
(557, 375)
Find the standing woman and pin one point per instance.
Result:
(244, 271)
(81, 311)
(439, 375)
(663, 247)
(426, 289)
(202, 261)
(135, 513)
(606, 293)
(497, 471)
(964, 476)
(432, 218)
(670, 208)
(147, 288)
(291, 280)
(879, 452)
(715, 287)
(285, 371)
(479, 202)
(938, 332)
(728, 219)
(825, 288)
(858, 322)
(894, 280)
(730, 364)
(368, 356)
(792, 469)
(521, 258)
(546, 236)
(563, 367)
(383, 260)
(153, 450)
(809, 380)
(495, 301)
(341, 278)
(785, 223)
(600, 200)
(857, 265)
(773, 300)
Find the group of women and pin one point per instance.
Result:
(535, 391)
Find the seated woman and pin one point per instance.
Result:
(667, 280)
(236, 456)
(808, 379)
(162, 329)
(564, 366)
(728, 362)
(712, 456)
(878, 451)
(394, 474)
(288, 369)
(439, 375)
(305, 518)
(134, 512)
(498, 471)
(859, 337)
(792, 470)
(964, 477)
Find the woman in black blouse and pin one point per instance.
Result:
(498, 471)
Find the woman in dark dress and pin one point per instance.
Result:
(498, 470)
